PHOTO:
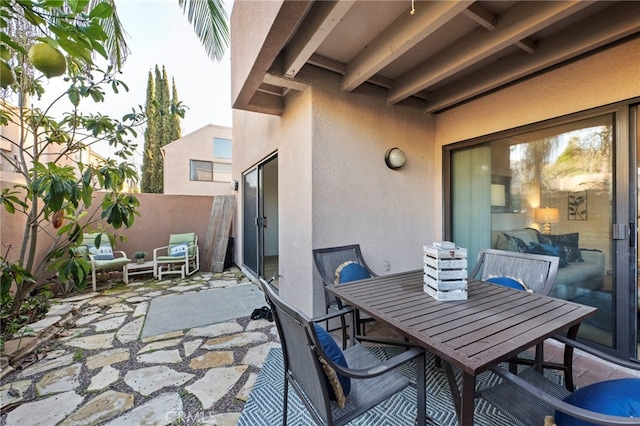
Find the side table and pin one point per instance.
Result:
(137, 269)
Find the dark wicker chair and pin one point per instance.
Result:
(529, 397)
(538, 272)
(372, 380)
(327, 261)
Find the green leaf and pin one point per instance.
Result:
(102, 10)
(78, 6)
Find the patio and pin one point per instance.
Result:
(92, 367)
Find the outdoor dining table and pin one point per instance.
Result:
(492, 325)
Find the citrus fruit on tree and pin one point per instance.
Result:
(6, 75)
(47, 59)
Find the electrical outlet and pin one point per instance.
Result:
(387, 265)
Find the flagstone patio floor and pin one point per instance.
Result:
(88, 364)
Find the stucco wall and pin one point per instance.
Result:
(160, 215)
(197, 145)
(334, 187)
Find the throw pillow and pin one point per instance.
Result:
(514, 243)
(619, 397)
(178, 250)
(331, 349)
(546, 249)
(527, 235)
(339, 270)
(514, 283)
(103, 252)
(567, 245)
(353, 272)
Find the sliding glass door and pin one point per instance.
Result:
(260, 219)
(559, 189)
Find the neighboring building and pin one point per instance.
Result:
(199, 163)
(10, 149)
(533, 102)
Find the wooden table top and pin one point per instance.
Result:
(492, 325)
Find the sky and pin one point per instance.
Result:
(160, 34)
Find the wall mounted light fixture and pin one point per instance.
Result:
(394, 158)
(234, 185)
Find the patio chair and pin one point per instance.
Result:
(181, 256)
(530, 397)
(337, 386)
(327, 261)
(102, 257)
(524, 271)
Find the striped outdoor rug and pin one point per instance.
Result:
(264, 406)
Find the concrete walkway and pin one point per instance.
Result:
(86, 362)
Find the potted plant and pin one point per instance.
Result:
(139, 255)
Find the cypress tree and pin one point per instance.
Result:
(163, 127)
(149, 134)
(176, 132)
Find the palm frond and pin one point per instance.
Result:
(209, 20)
(116, 45)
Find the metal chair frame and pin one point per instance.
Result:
(372, 380)
(327, 261)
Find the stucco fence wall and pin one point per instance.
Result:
(160, 215)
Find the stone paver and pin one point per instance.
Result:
(98, 341)
(45, 412)
(160, 344)
(60, 380)
(102, 407)
(215, 384)
(160, 357)
(123, 371)
(104, 378)
(235, 340)
(150, 379)
(211, 360)
(111, 356)
(159, 411)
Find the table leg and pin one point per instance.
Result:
(463, 402)
(468, 399)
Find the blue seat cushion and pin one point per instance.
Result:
(619, 397)
(507, 282)
(333, 351)
(353, 272)
(178, 250)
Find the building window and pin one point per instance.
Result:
(210, 171)
(222, 148)
(221, 172)
(201, 170)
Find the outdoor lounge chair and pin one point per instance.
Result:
(530, 397)
(316, 368)
(327, 261)
(102, 257)
(524, 271)
(181, 256)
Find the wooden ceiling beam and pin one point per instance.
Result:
(315, 28)
(612, 24)
(395, 40)
(512, 26)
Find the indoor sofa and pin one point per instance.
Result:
(581, 270)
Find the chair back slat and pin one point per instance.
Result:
(300, 360)
(538, 272)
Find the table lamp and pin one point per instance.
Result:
(547, 216)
